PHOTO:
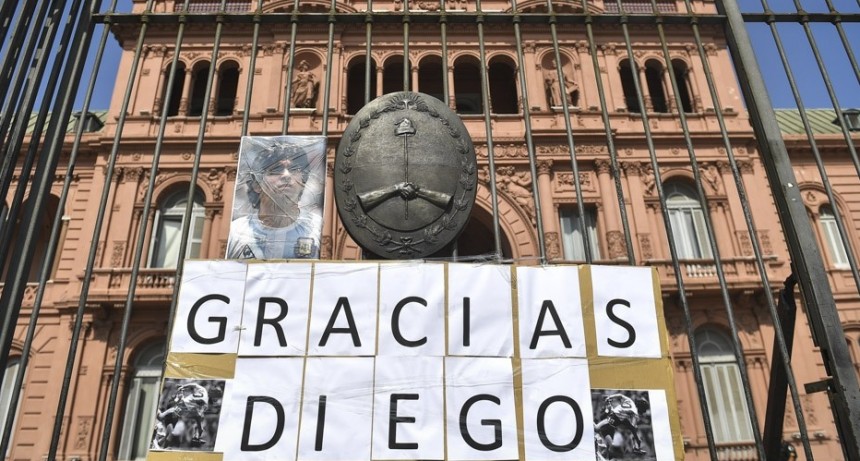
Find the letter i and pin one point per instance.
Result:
(320, 424)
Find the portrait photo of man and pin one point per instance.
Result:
(277, 207)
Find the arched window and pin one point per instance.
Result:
(688, 222)
(467, 86)
(228, 83)
(654, 76)
(682, 78)
(832, 238)
(175, 91)
(392, 75)
(198, 89)
(629, 86)
(355, 84)
(503, 86)
(723, 387)
(141, 403)
(167, 231)
(430, 77)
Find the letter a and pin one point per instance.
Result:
(547, 306)
(342, 303)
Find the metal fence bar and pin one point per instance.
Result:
(57, 134)
(815, 290)
(12, 57)
(249, 89)
(88, 271)
(10, 300)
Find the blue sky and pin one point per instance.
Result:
(801, 59)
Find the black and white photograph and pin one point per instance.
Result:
(278, 202)
(187, 415)
(623, 426)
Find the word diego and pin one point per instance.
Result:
(413, 309)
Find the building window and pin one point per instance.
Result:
(175, 91)
(852, 337)
(198, 90)
(688, 222)
(9, 376)
(168, 229)
(141, 403)
(467, 86)
(503, 86)
(721, 377)
(832, 237)
(228, 83)
(682, 79)
(392, 76)
(573, 232)
(430, 77)
(628, 85)
(355, 84)
(654, 77)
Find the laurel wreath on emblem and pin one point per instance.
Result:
(393, 242)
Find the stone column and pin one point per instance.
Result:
(609, 71)
(452, 91)
(722, 232)
(585, 77)
(213, 96)
(330, 227)
(186, 93)
(379, 71)
(415, 78)
(534, 79)
(614, 236)
(548, 213)
(638, 224)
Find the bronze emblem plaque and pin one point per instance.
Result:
(405, 176)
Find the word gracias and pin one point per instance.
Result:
(395, 309)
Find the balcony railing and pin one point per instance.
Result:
(738, 271)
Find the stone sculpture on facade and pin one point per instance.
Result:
(553, 89)
(305, 87)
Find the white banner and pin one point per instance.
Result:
(343, 312)
(412, 309)
(625, 312)
(277, 302)
(337, 408)
(209, 310)
(480, 310)
(408, 420)
(550, 311)
(557, 410)
(260, 410)
(481, 411)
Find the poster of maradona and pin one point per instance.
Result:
(278, 203)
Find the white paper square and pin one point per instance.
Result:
(553, 289)
(410, 390)
(557, 410)
(412, 309)
(489, 317)
(487, 384)
(286, 290)
(216, 288)
(352, 285)
(625, 312)
(347, 384)
(278, 379)
(660, 423)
